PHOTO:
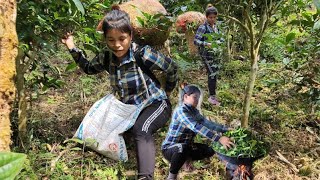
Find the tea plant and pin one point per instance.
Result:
(246, 144)
(159, 20)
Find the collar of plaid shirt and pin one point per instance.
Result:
(128, 84)
(127, 59)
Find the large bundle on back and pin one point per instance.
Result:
(150, 25)
(143, 15)
(146, 28)
(188, 23)
(151, 7)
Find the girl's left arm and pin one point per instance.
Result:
(187, 119)
(214, 126)
(154, 60)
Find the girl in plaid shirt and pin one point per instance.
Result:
(178, 146)
(119, 60)
(206, 54)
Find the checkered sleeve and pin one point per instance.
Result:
(198, 40)
(214, 126)
(96, 65)
(154, 60)
(188, 120)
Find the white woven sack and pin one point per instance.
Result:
(102, 127)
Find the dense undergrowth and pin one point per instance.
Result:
(278, 113)
(285, 106)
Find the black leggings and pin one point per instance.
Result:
(149, 121)
(178, 154)
(212, 69)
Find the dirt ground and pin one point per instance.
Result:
(56, 116)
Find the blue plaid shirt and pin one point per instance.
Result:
(201, 41)
(124, 76)
(186, 123)
(205, 28)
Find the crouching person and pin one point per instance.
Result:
(178, 146)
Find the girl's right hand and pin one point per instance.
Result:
(68, 40)
(226, 142)
(209, 45)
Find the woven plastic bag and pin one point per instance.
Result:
(104, 124)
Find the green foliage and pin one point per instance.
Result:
(72, 66)
(217, 40)
(40, 27)
(44, 23)
(273, 47)
(216, 49)
(305, 171)
(178, 6)
(79, 6)
(227, 96)
(159, 21)
(286, 95)
(74, 140)
(107, 173)
(301, 58)
(291, 36)
(87, 84)
(11, 164)
(43, 76)
(247, 144)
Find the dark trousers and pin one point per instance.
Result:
(178, 154)
(149, 121)
(212, 70)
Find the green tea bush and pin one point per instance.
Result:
(246, 144)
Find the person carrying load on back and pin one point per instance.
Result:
(122, 60)
(205, 51)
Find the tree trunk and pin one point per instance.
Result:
(23, 61)
(250, 85)
(8, 53)
(228, 45)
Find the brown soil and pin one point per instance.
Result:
(56, 116)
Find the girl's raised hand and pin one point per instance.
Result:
(226, 142)
(67, 39)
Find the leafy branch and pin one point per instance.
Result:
(159, 21)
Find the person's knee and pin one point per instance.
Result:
(145, 177)
(139, 134)
(210, 152)
(206, 151)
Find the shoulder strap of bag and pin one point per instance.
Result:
(205, 32)
(138, 53)
(138, 57)
(107, 59)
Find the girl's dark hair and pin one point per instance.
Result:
(211, 10)
(117, 19)
(189, 89)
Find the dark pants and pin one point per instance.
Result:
(178, 154)
(212, 69)
(149, 121)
